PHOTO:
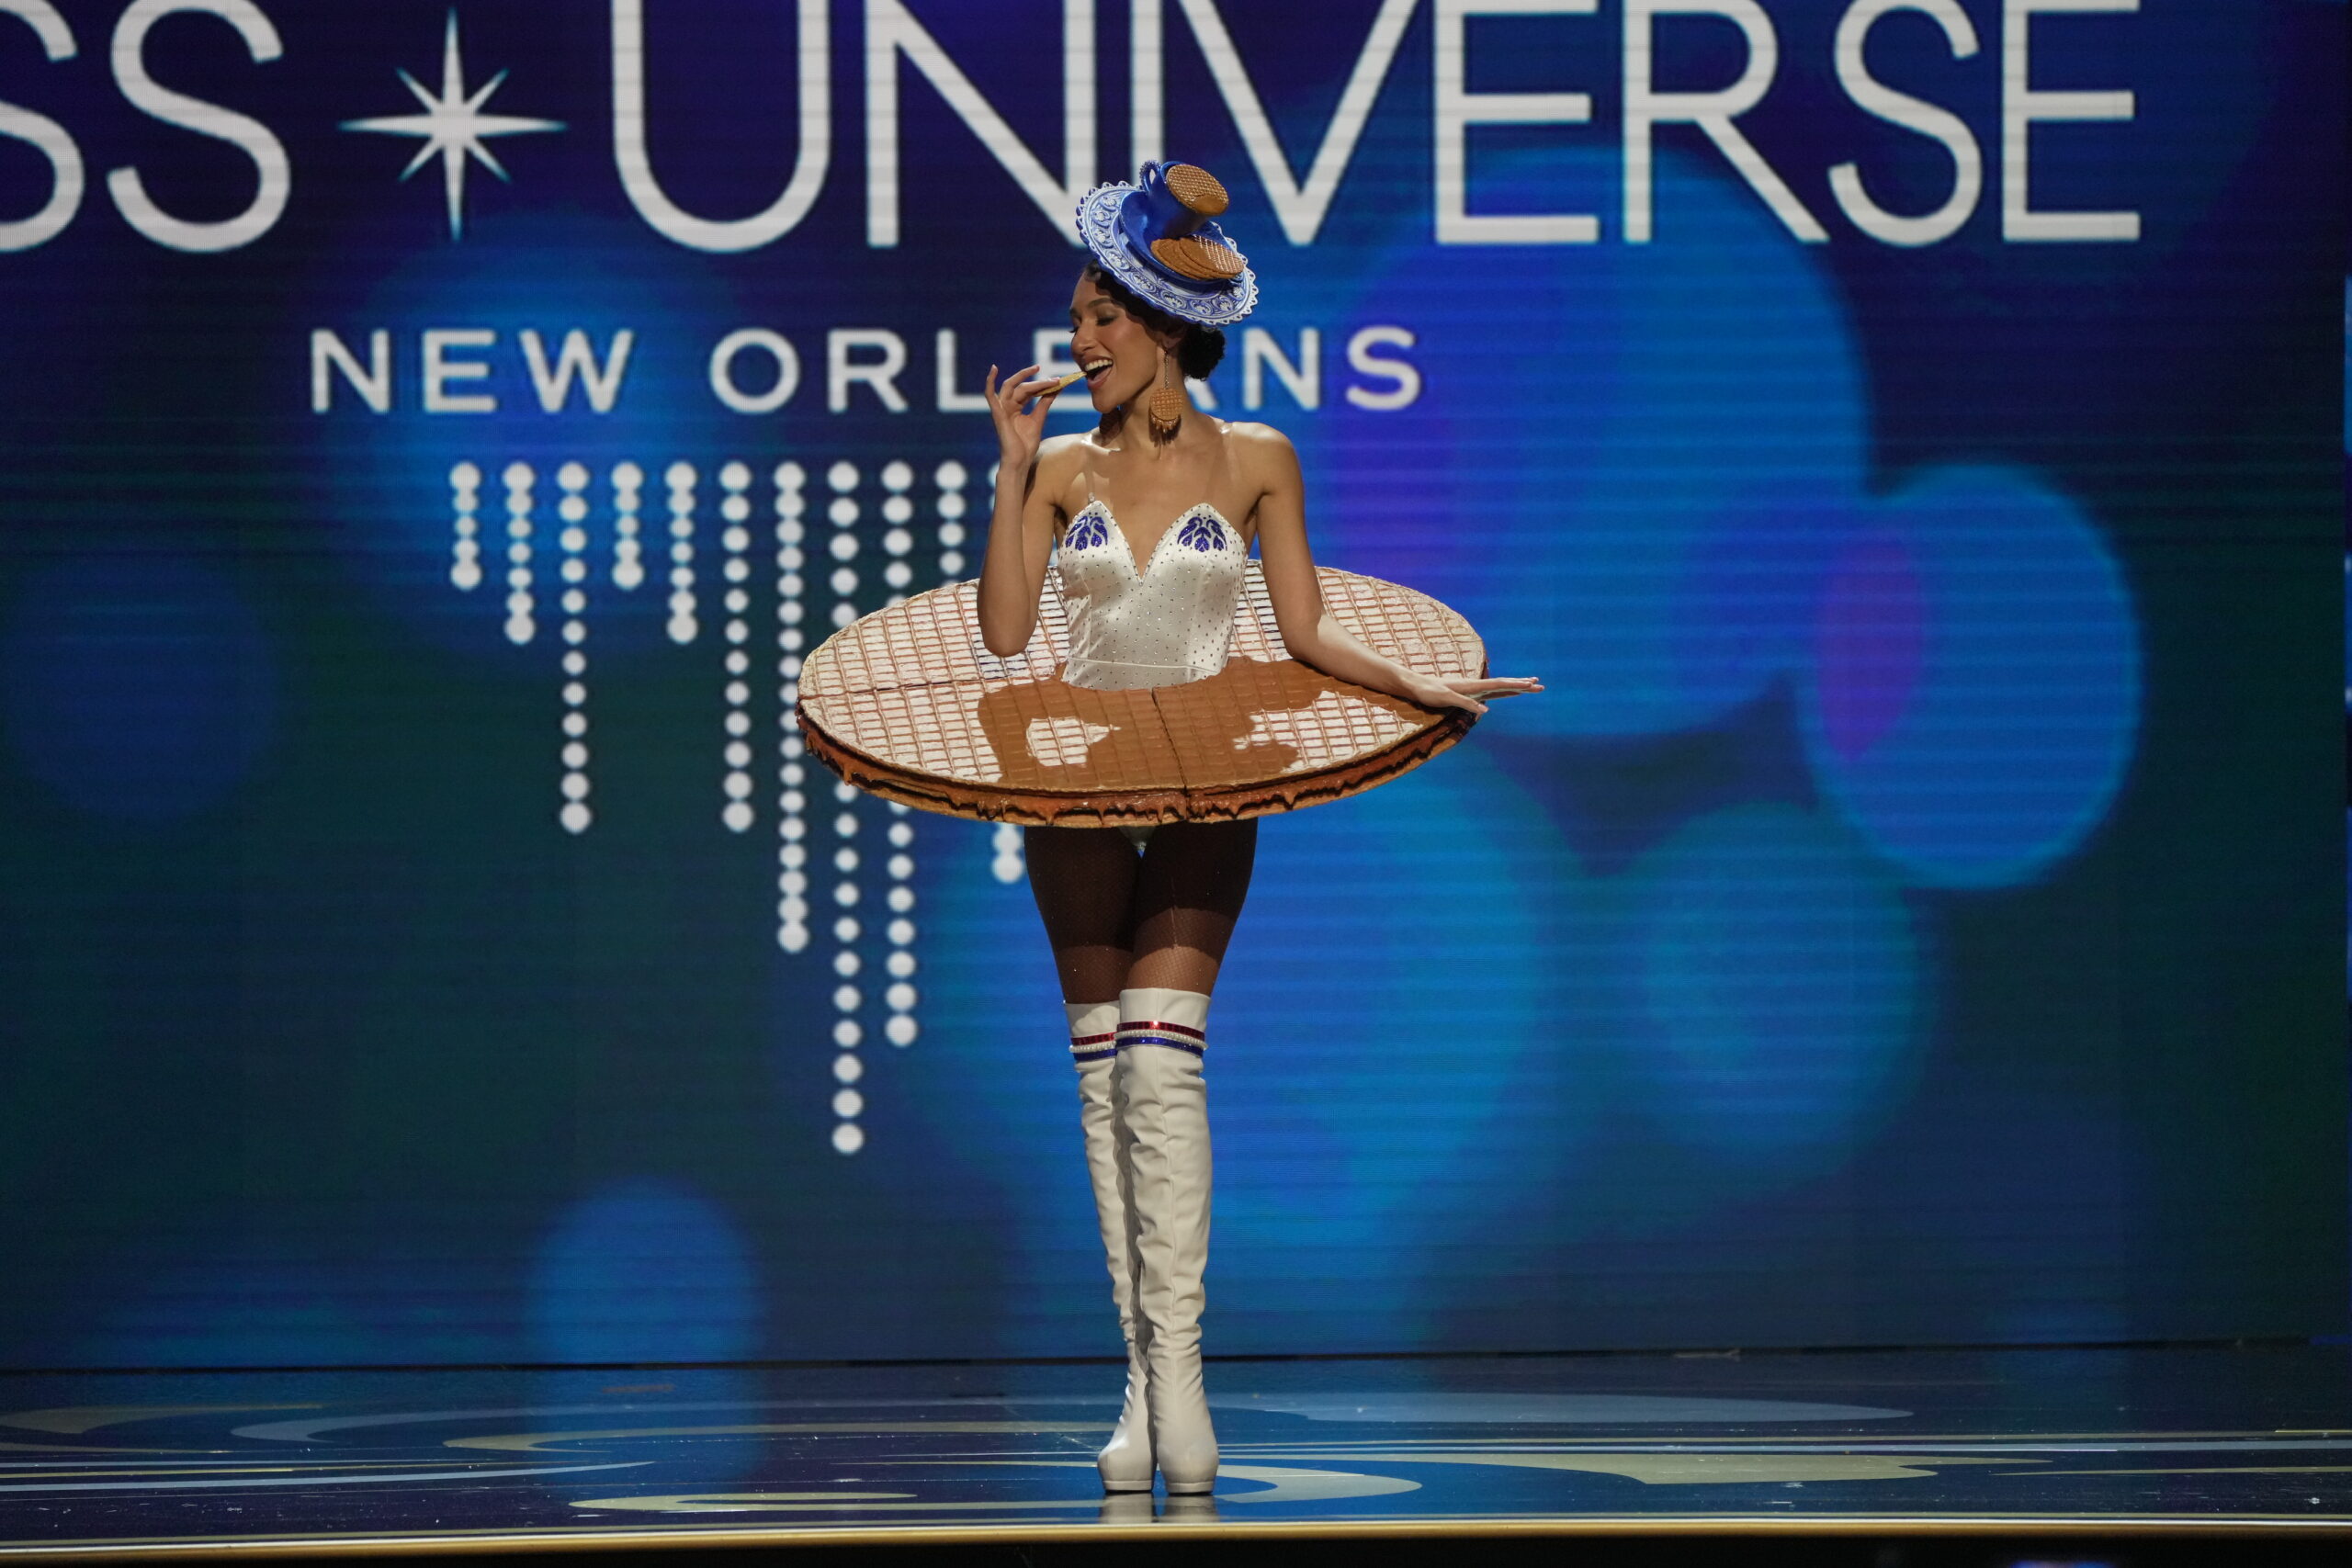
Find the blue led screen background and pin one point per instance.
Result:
(1907, 439)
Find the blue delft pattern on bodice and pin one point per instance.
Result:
(1202, 531)
(1160, 622)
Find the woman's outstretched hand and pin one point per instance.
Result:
(1019, 428)
(1466, 695)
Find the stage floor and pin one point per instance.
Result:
(1889, 1443)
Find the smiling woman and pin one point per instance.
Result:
(1145, 525)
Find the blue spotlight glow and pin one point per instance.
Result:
(1779, 979)
(1626, 499)
(644, 1271)
(1975, 692)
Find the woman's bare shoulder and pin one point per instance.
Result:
(1063, 452)
(1250, 435)
(1260, 450)
(1060, 457)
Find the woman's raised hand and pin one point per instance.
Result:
(1019, 426)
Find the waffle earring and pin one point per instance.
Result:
(1166, 410)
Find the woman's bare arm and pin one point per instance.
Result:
(1031, 472)
(1312, 633)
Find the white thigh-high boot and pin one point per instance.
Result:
(1125, 1460)
(1164, 1137)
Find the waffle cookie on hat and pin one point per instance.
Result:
(1203, 260)
(1157, 239)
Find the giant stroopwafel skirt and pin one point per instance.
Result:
(906, 703)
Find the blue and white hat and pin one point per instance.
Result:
(1156, 239)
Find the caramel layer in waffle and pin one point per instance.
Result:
(907, 704)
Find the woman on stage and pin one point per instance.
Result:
(1155, 512)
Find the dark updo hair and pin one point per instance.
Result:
(1199, 349)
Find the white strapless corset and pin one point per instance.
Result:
(1169, 622)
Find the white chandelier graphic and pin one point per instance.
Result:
(844, 880)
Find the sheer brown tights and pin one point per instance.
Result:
(1118, 919)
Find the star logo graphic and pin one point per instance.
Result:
(453, 127)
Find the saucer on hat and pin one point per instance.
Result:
(1159, 240)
